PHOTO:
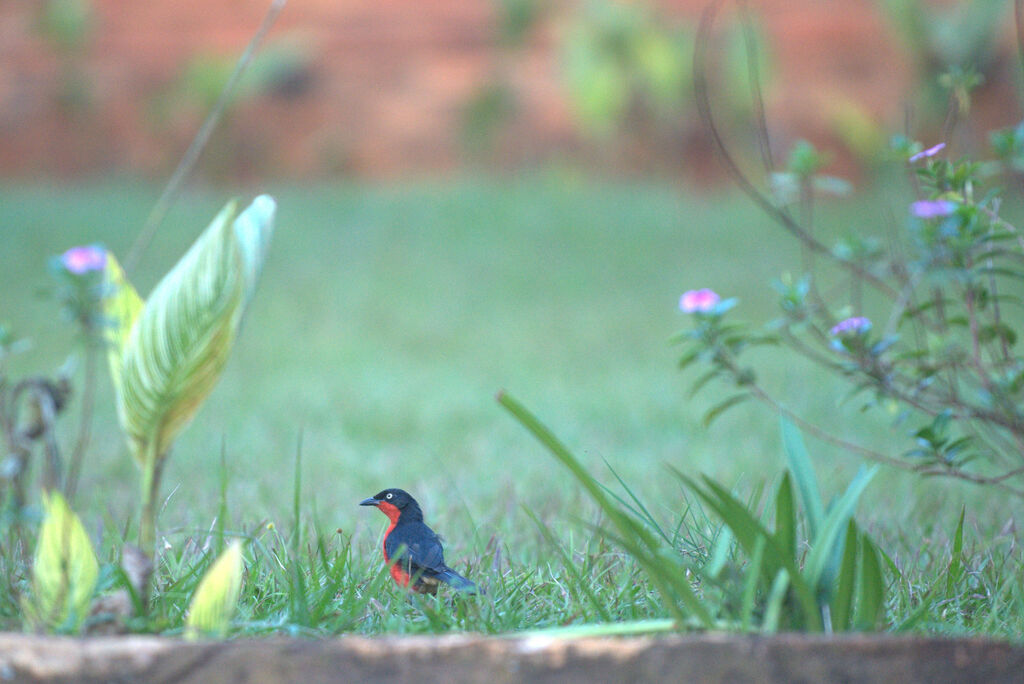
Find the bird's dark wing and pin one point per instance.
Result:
(423, 551)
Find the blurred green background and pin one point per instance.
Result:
(388, 318)
(514, 202)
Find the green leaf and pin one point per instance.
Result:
(803, 471)
(773, 607)
(842, 602)
(601, 629)
(666, 576)
(65, 570)
(216, 598)
(121, 306)
(720, 408)
(956, 562)
(689, 357)
(785, 517)
(871, 604)
(748, 530)
(750, 583)
(822, 564)
(703, 380)
(179, 343)
(719, 553)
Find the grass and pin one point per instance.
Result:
(386, 321)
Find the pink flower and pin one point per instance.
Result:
(698, 301)
(929, 209)
(855, 325)
(930, 152)
(84, 259)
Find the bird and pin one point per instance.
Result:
(412, 550)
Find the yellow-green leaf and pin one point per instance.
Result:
(179, 343)
(121, 305)
(216, 598)
(65, 570)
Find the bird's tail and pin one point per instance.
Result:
(457, 581)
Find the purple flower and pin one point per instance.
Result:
(855, 325)
(930, 152)
(698, 301)
(929, 209)
(84, 259)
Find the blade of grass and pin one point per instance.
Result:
(823, 560)
(747, 530)
(222, 507)
(298, 607)
(773, 607)
(956, 561)
(806, 480)
(631, 628)
(785, 517)
(719, 552)
(871, 603)
(842, 602)
(580, 584)
(643, 512)
(749, 597)
(667, 585)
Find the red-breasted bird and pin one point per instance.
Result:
(411, 549)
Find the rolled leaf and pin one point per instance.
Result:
(65, 570)
(177, 346)
(216, 598)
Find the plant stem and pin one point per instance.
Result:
(151, 472)
(85, 422)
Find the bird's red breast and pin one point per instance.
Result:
(400, 576)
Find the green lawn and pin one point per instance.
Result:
(387, 319)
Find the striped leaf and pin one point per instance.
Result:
(65, 570)
(121, 306)
(216, 598)
(168, 354)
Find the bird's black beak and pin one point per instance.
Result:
(369, 502)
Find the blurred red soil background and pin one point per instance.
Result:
(385, 88)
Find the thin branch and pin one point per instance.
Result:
(703, 99)
(1018, 20)
(825, 436)
(188, 161)
(756, 95)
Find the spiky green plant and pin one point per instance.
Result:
(167, 353)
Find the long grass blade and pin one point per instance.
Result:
(846, 585)
(956, 562)
(748, 530)
(785, 517)
(580, 584)
(871, 599)
(748, 600)
(678, 585)
(822, 563)
(776, 598)
(806, 480)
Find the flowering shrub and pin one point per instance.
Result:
(941, 347)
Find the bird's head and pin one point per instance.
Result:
(393, 502)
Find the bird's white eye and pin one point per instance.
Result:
(389, 496)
